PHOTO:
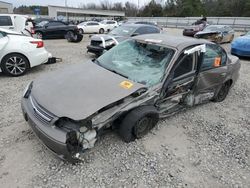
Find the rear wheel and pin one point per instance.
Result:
(101, 31)
(222, 94)
(15, 65)
(39, 35)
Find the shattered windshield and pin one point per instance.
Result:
(122, 31)
(138, 61)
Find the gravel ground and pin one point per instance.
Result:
(206, 146)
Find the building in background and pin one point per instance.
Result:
(70, 13)
(6, 8)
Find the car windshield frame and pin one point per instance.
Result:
(123, 30)
(139, 61)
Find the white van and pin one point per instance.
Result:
(18, 23)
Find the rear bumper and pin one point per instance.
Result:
(39, 57)
(52, 137)
(95, 49)
(189, 33)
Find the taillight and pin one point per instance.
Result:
(39, 44)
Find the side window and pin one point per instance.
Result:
(55, 24)
(186, 66)
(214, 57)
(5, 21)
(152, 30)
(110, 22)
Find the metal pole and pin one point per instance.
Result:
(66, 5)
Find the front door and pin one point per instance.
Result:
(178, 85)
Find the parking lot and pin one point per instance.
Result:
(206, 146)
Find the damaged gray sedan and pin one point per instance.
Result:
(129, 88)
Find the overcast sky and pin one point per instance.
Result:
(74, 3)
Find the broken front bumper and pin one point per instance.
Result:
(53, 138)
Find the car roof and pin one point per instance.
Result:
(177, 42)
(137, 25)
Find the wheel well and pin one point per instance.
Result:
(230, 82)
(13, 54)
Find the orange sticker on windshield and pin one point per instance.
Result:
(217, 62)
(126, 84)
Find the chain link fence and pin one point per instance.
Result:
(238, 23)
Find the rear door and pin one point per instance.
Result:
(213, 72)
(6, 22)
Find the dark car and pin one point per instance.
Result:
(128, 88)
(55, 29)
(101, 43)
(217, 33)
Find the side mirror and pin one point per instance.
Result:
(134, 34)
(46, 26)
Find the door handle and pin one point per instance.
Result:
(223, 74)
(11, 27)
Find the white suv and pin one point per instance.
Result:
(18, 23)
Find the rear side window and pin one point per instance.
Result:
(110, 22)
(141, 30)
(5, 21)
(152, 30)
(55, 24)
(214, 57)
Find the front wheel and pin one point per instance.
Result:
(138, 122)
(15, 65)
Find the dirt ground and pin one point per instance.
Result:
(206, 146)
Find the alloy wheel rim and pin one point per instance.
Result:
(39, 36)
(15, 65)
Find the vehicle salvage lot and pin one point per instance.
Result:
(207, 146)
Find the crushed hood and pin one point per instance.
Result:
(80, 91)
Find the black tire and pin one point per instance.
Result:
(78, 38)
(39, 35)
(223, 92)
(101, 31)
(81, 31)
(70, 35)
(15, 65)
(138, 122)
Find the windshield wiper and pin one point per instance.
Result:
(114, 71)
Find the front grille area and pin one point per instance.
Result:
(95, 43)
(40, 113)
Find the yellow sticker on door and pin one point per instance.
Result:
(126, 84)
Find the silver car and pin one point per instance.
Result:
(128, 89)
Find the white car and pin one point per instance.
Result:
(18, 23)
(18, 53)
(110, 24)
(91, 27)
